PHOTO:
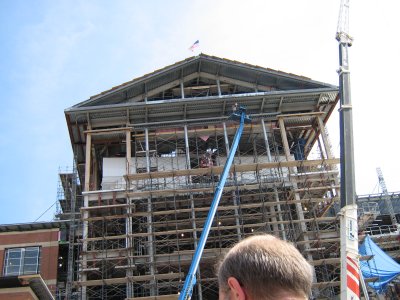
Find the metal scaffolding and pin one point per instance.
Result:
(150, 164)
(139, 240)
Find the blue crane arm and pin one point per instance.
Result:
(190, 281)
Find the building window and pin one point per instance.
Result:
(22, 261)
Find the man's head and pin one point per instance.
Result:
(264, 267)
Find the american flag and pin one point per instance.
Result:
(194, 46)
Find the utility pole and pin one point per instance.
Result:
(350, 270)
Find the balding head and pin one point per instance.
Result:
(264, 267)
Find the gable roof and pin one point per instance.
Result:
(198, 90)
(253, 77)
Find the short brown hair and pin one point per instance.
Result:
(265, 265)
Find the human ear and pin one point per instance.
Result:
(237, 291)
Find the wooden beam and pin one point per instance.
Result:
(127, 279)
(188, 230)
(108, 130)
(87, 161)
(310, 114)
(284, 138)
(163, 297)
(235, 168)
(201, 209)
(324, 137)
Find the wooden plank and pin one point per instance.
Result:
(87, 161)
(171, 192)
(122, 280)
(310, 114)
(284, 139)
(163, 297)
(238, 168)
(326, 261)
(106, 206)
(324, 137)
(317, 188)
(191, 132)
(206, 208)
(179, 231)
(108, 130)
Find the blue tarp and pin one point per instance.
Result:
(381, 265)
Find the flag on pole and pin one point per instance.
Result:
(194, 46)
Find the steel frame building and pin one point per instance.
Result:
(149, 152)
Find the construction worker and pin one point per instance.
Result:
(234, 107)
(264, 267)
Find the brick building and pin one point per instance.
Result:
(29, 255)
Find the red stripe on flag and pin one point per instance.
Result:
(353, 286)
(353, 271)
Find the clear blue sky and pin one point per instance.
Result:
(55, 54)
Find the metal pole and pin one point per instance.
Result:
(349, 273)
(346, 131)
(281, 232)
(72, 227)
(128, 219)
(192, 212)
(191, 276)
(150, 240)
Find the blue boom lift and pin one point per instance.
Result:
(239, 114)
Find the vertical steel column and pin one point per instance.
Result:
(193, 213)
(266, 141)
(150, 247)
(85, 232)
(128, 152)
(88, 161)
(226, 139)
(71, 232)
(347, 173)
(129, 248)
(85, 228)
(219, 89)
(182, 90)
(188, 166)
(272, 209)
(234, 198)
(349, 288)
(128, 219)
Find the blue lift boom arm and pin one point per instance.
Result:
(190, 281)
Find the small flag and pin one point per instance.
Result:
(194, 46)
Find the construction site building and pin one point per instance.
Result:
(374, 213)
(149, 153)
